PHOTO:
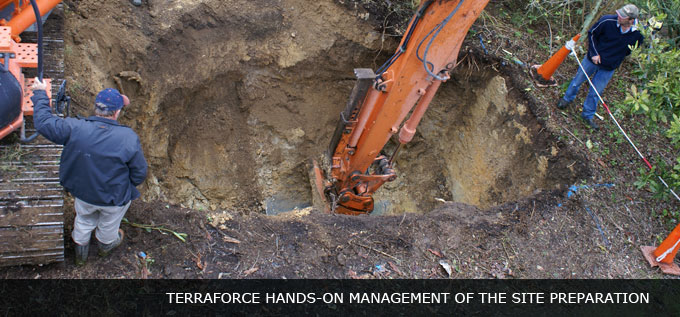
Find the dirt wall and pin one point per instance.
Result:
(227, 95)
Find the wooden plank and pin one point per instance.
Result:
(32, 145)
(31, 258)
(30, 217)
(20, 205)
(8, 233)
(27, 188)
(22, 173)
(31, 245)
(15, 203)
(10, 192)
(24, 189)
(15, 196)
(28, 156)
(30, 241)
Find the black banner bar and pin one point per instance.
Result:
(339, 297)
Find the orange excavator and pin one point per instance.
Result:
(380, 102)
(15, 94)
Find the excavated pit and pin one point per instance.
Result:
(230, 101)
(235, 144)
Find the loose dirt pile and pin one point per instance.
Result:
(230, 98)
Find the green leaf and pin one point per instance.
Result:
(589, 144)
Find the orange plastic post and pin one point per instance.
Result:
(548, 68)
(666, 251)
(669, 243)
(542, 74)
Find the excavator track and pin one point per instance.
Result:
(31, 198)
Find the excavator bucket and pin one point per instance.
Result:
(365, 77)
(317, 174)
(318, 182)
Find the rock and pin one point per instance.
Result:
(342, 259)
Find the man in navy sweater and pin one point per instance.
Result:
(101, 164)
(608, 44)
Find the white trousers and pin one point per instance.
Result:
(106, 219)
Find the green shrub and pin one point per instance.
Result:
(658, 74)
(656, 93)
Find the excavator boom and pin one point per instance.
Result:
(382, 100)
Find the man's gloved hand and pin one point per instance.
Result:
(596, 59)
(570, 45)
(38, 85)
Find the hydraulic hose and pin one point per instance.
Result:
(438, 28)
(407, 38)
(38, 21)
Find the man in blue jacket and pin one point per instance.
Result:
(101, 164)
(608, 44)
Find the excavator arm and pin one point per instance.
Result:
(382, 100)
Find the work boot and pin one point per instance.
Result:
(105, 249)
(81, 254)
(591, 123)
(562, 104)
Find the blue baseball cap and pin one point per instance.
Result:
(111, 99)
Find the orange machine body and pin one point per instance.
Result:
(22, 55)
(23, 16)
(392, 96)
